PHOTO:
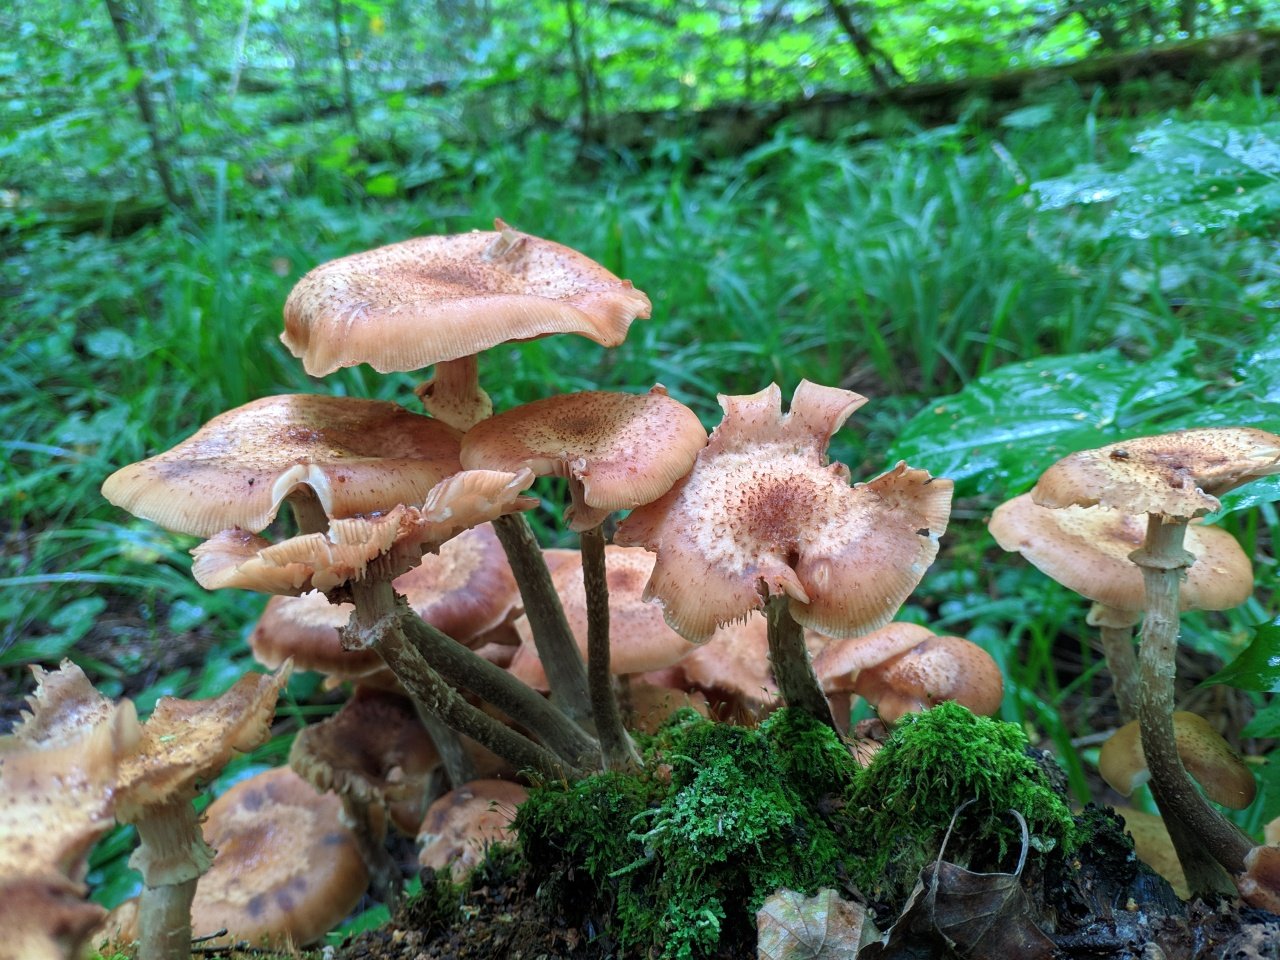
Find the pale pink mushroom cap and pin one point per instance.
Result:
(618, 450)
(736, 660)
(841, 661)
(936, 669)
(763, 510)
(432, 299)
(1179, 474)
(459, 825)
(358, 456)
(1087, 550)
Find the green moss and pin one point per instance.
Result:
(903, 803)
(685, 862)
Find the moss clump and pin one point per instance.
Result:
(685, 862)
(933, 763)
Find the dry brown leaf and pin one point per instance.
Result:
(791, 926)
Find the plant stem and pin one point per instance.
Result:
(379, 623)
(1205, 834)
(171, 856)
(615, 744)
(566, 674)
(791, 665)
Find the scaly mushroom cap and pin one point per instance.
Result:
(1220, 771)
(1179, 474)
(459, 825)
(374, 750)
(465, 590)
(1086, 549)
(431, 299)
(841, 661)
(58, 773)
(936, 669)
(639, 639)
(358, 456)
(762, 510)
(45, 918)
(286, 870)
(396, 540)
(618, 450)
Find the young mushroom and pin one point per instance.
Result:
(764, 521)
(460, 825)
(1172, 478)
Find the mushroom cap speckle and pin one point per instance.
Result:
(763, 512)
(460, 824)
(619, 450)
(1087, 550)
(936, 669)
(432, 299)
(840, 662)
(286, 869)
(1179, 474)
(358, 456)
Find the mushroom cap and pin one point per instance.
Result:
(374, 750)
(1153, 847)
(736, 660)
(45, 918)
(431, 299)
(358, 456)
(465, 590)
(396, 540)
(934, 670)
(763, 512)
(647, 706)
(639, 638)
(1220, 771)
(623, 449)
(1179, 474)
(460, 824)
(286, 870)
(58, 772)
(1260, 883)
(840, 662)
(1087, 550)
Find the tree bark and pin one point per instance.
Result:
(348, 87)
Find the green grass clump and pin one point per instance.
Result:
(904, 802)
(686, 863)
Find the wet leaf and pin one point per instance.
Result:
(822, 927)
(1258, 666)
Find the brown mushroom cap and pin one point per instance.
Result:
(840, 662)
(374, 750)
(618, 450)
(396, 540)
(1179, 474)
(639, 638)
(1220, 771)
(45, 918)
(1260, 883)
(1086, 549)
(459, 825)
(465, 590)
(763, 510)
(286, 869)
(431, 299)
(936, 669)
(736, 660)
(358, 456)
(1153, 847)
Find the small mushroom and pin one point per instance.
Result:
(461, 824)
(935, 670)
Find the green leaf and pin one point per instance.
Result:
(1004, 429)
(1258, 666)
(383, 185)
(1265, 723)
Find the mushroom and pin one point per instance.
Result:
(1086, 549)
(45, 918)
(617, 451)
(764, 521)
(462, 823)
(1172, 478)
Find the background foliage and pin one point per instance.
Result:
(1006, 280)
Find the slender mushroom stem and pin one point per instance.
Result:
(171, 856)
(1206, 835)
(453, 754)
(384, 874)
(566, 674)
(791, 665)
(615, 744)
(379, 623)
(1115, 629)
(308, 511)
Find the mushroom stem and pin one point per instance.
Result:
(1115, 630)
(566, 674)
(379, 623)
(1202, 834)
(615, 744)
(171, 856)
(308, 511)
(791, 666)
(384, 875)
(453, 755)
(454, 394)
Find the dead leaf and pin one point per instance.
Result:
(791, 926)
